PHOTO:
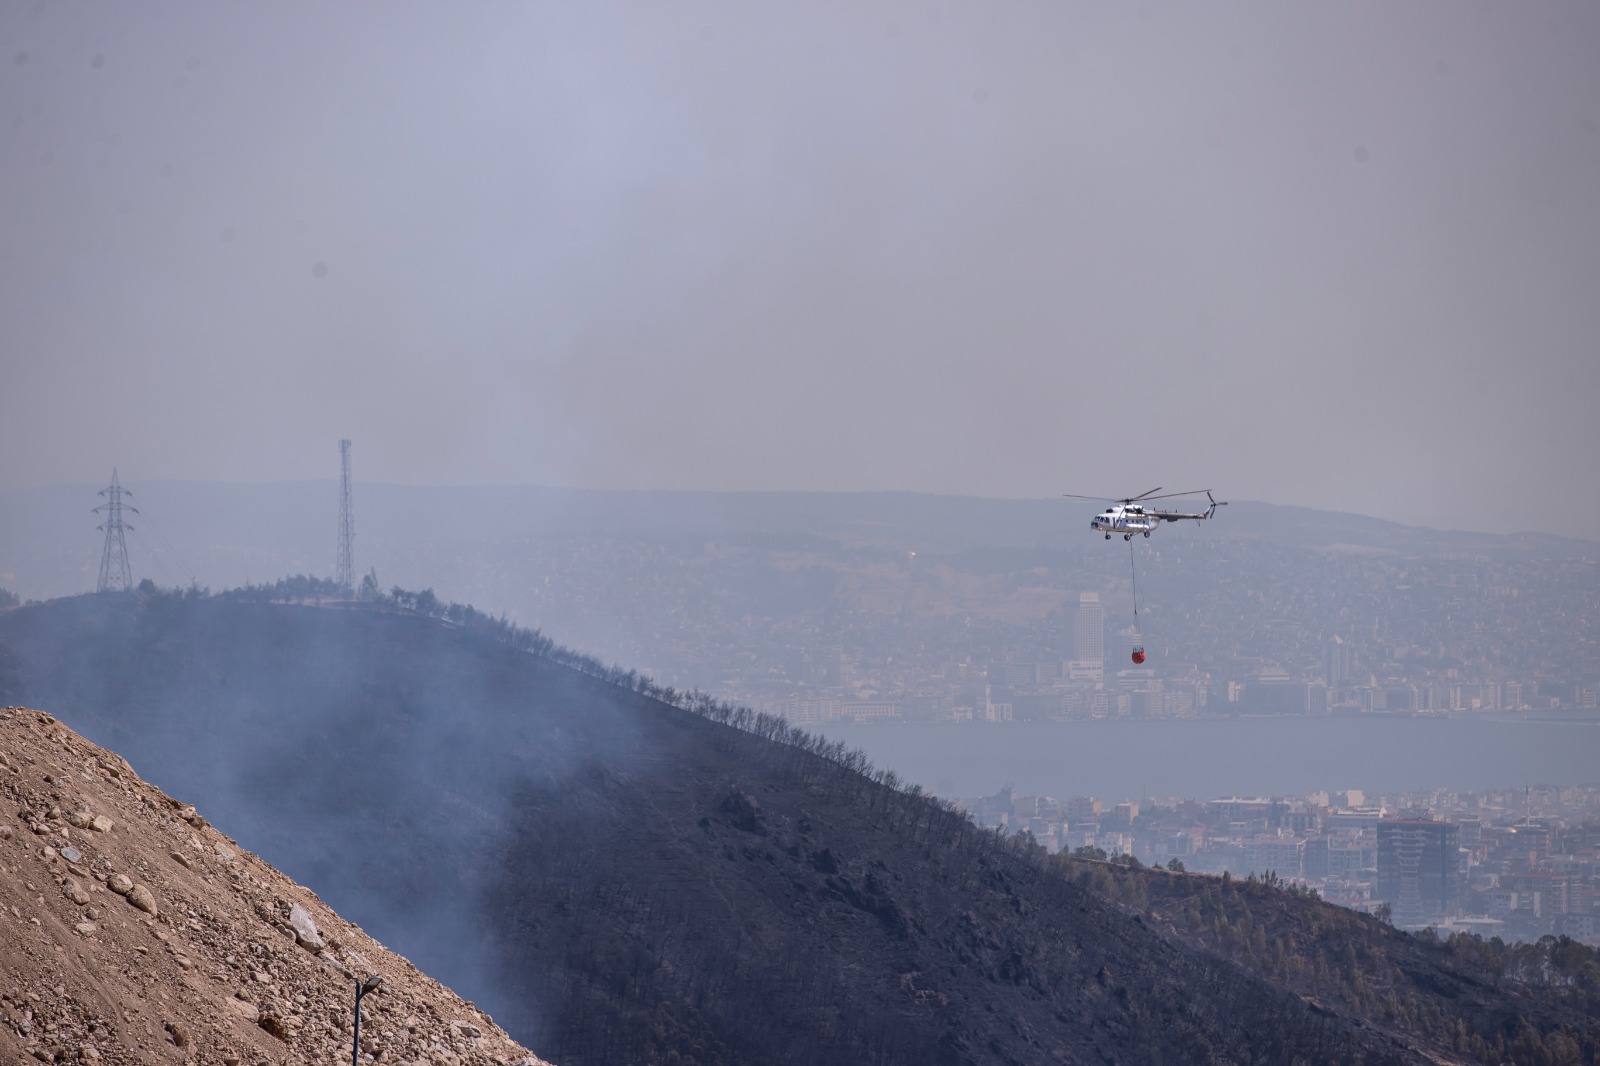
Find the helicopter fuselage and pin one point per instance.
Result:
(1124, 520)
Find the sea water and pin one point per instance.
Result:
(1123, 759)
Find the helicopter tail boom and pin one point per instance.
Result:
(1180, 516)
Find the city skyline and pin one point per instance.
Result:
(1514, 863)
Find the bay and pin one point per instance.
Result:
(1122, 759)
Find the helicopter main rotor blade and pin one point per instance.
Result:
(1134, 499)
(1170, 495)
(1115, 499)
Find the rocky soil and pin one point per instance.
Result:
(132, 931)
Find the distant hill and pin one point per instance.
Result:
(135, 932)
(615, 878)
(761, 596)
(224, 535)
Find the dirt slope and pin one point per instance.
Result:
(131, 931)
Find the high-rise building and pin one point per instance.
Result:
(1337, 662)
(1091, 635)
(1419, 868)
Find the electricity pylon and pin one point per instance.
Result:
(114, 573)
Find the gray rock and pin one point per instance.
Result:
(121, 884)
(305, 929)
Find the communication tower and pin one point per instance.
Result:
(345, 569)
(114, 573)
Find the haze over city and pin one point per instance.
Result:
(578, 489)
(1334, 256)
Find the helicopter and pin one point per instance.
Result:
(1129, 516)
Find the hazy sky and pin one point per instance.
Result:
(1344, 255)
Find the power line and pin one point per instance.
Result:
(115, 576)
(161, 551)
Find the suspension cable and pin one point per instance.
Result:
(1134, 571)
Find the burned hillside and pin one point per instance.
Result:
(615, 877)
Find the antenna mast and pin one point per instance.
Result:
(114, 573)
(345, 568)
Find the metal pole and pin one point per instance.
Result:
(355, 1042)
(362, 988)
